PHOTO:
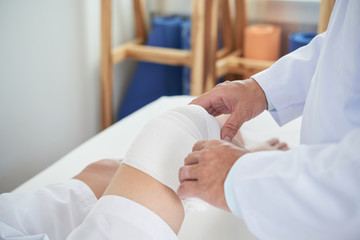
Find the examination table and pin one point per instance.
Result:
(112, 143)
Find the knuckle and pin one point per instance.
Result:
(198, 145)
(213, 143)
(187, 158)
(207, 155)
(219, 85)
(225, 146)
(217, 142)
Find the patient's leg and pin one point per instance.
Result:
(57, 209)
(98, 175)
(138, 186)
(149, 174)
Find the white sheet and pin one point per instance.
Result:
(114, 142)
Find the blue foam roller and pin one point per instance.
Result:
(152, 80)
(300, 39)
(186, 45)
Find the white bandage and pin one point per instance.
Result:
(162, 145)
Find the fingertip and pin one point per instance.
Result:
(187, 189)
(283, 147)
(194, 100)
(273, 141)
(231, 127)
(191, 159)
(180, 174)
(199, 145)
(180, 192)
(227, 139)
(226, 136)
(201, 101)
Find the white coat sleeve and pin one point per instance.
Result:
(49, 213)
(310, 192)
(115, 217)
(286, 83)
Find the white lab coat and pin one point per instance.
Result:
(312, 191)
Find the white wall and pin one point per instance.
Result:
(49, 80)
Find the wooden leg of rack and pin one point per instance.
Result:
(197, 47)
(226, 25)
(106, 65)
(140, 19)
(211, 43)
(240, 23)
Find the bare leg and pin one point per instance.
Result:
(98, 175)
(138, 186)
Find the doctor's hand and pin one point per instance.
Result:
(206, 169)
(244, 100)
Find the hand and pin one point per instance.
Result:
(244, 100)
(206, 169)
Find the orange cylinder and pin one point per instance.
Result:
(262, 41)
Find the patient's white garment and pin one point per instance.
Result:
(161, 147)
(52, 212)
(115, 217)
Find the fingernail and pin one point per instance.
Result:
(227, 138)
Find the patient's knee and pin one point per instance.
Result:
(104, 165)
(98, 175)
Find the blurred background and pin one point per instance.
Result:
(50, 71)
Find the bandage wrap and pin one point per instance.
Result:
(163, 144)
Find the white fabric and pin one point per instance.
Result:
(70, 210)
(309, 192)
(164, 155)
(49, 213)
(115, 217)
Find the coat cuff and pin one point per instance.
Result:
(277, 105)
(229, 192)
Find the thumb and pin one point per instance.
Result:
(203, 101)
(231, 127)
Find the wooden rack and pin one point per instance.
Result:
(207, 63)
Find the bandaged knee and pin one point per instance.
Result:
(163, 144)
